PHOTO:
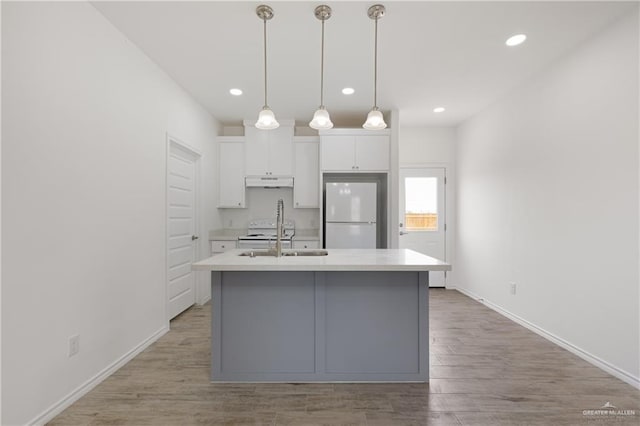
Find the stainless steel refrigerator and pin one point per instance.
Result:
(350, 214)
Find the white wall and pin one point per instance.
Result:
(419, 145)
(85, 117)
(261, 204)
(548, 199)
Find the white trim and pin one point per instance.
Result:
(64, 403)
(283, 123)
(197, 156)
(424, 165)
(590, 358)
(356, 131)
(170, 138)
(206, 299)
(393, 179)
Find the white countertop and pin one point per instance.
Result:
(336, 260)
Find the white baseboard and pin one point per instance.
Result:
(590, 358)
(84, 388)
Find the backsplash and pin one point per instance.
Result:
(261, 204)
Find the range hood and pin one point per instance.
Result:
(269, 182)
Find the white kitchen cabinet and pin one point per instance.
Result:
(269, 152)
(314, 244)
(231, 192)
(372, 152)
(354, 152)
(338, 152)
(220, 246)
(306, 174)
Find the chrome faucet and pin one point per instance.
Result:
(279, 227)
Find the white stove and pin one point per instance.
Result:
(261, 234)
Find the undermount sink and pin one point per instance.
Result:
(272, 253)
(305, 253)
(255, 253)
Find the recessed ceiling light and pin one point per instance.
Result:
(516, 40)
(348, 91)
(235, 92)
(439, 109)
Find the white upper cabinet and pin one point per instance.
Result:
(269, 152)
(281, 151)
(338, 152)
(372, 152)
(355, 150)
(231, 172)
(257, 152)
(306, 176)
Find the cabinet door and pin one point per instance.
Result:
(256, 151)
(281, 151)
(338, 152)
(372, 152)
(231, 177)
(306, 244)
(220, 246)
(305, 178)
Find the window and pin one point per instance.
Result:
(421, 204)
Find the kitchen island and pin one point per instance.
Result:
(352, 315)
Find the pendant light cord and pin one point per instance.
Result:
(322, 68)
(265, 62)
(375, 68)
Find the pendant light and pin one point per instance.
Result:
(375, 121)
(321, 119)
(266, 117)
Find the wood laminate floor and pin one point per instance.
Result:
(485, 370)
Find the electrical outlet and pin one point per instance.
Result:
(512, 288)
(74, 345)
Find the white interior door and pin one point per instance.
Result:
(422, 214)
(181, 244)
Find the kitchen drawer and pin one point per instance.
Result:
(306, 244)
(222, 246)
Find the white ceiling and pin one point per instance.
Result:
(431, 54)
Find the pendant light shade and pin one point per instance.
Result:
(375, 120)
(266, 117)
(321, 119)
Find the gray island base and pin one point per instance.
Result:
(321, 320)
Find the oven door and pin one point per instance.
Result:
(262, 244)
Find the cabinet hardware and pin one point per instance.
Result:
(194, 237)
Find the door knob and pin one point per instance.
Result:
(194, 237)
(402, 233)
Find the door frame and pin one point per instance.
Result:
(449, 206)
(175, 143)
